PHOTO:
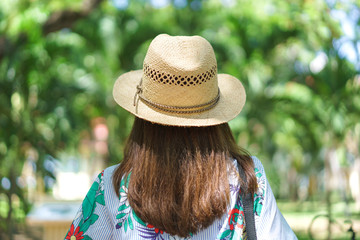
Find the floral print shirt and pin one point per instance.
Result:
(104, 215)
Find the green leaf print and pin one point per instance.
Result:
(125, 225)
(100, 199)
(131, 225)
(225, 234)
(257, 207)
(88, 204)
(93, 218)
(257, 173)
(123, 207)
(125, 182)
(137, 218)
(128, 180)
(94, 195)
(120, 215)
(126, 215)
(84, 226)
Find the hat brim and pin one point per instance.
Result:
(231, 102)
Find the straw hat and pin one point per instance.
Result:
(179, 85)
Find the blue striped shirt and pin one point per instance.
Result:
(104, 215)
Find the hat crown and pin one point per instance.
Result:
(181, 54)
(180, 71)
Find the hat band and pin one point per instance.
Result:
(178, 109)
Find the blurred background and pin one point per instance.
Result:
(299, 61)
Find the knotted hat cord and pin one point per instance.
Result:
(175, 109)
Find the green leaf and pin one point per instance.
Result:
(88, 204)
(257, 208)
(225, 234)
(86, 237)
(120, 215)
(122, 182)
(123, 207)
(99, 177)
(128, 180)
(131, 225)
(85, 226)
(100, 199)
(137, 218)
(125, 225)
(93, 218)
(125, 181)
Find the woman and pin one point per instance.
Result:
(179, 178)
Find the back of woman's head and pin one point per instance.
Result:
(179, 175)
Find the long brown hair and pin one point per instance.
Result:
(179, 175)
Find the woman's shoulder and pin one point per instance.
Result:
(109, 170)
(108, 182)
(257, 163)
(258, 167)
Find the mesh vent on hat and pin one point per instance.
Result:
(182, 80)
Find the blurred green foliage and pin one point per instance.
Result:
(59, 60)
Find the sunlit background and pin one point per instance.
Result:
(59, 126)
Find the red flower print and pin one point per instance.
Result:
(151, 233)
(157, 230)
(232, 217)
(74, 235)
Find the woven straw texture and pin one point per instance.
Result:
(180, 72)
